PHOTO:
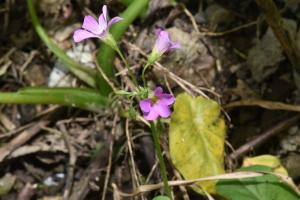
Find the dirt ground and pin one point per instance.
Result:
(228, 52)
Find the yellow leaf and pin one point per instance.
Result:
(266, 160)
(196, 136)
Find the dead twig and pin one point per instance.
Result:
(15, 131)
(109, 82)
(288, 43)
(218, 34)
(28, 60)
(182, 188)
(7, 54)
(129, 141)
(39, 115)
(193, 21)
(271, 105)
(21, 139)
(72, 161)
(6, 15)
(263, 137)
(125, 78)
(81, 188)
(108, 168)
(215, 34)
(6, 122)
(185, 85)
(152, 171)
(148, 188)
(27, 192)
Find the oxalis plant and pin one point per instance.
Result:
(155, 105)
(197, 129)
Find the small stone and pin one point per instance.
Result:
(293, 130)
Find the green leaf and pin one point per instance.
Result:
(83, 73)
(266, 187)
(73, 97)
(161, 198)
(196, 137)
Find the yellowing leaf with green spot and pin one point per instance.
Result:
(266, 160)
(197, 135)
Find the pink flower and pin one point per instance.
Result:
(158, 105)
(162, 45)
(93, 29)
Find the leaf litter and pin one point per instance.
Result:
(211, 62)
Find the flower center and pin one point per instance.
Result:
(154, 99)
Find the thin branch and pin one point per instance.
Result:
(264, 136)
(108, 169)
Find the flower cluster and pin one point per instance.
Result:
(156, 106)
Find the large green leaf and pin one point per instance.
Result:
(266, 187)
(161, 198)
(197, 139)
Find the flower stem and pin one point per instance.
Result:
(128, 67)
(162, 165)
(143, 74)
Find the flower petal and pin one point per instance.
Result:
(166, 99)
(158, 91)
(157, 31)
(175, 45)
(145, 105)
(81, 34)
(162, 43)
(162, 109)
(152, 115)
(102, 23)
(90, 24)
(114, 20)
(105, 13)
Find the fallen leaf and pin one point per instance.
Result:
(196, 137)
(6, 183)
(266, 160)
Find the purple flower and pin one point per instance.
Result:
(163, 44)
(158, 105)
(93, 29)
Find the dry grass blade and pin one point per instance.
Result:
(185, 85)
(288, 181)
(151, 187)
(129, 143)
(72, 161)
(271, 105)
(108, 168)
(21, 139)
(6, 122)
(262, 137)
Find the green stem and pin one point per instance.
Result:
(159, 154)
(143, 74)
(106, 54)
(73, 97)
(130, 72)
